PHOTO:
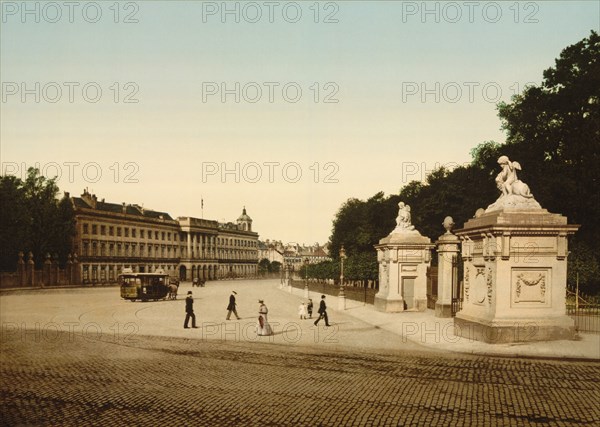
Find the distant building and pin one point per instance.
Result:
(271, 250)
(295, 255)
(110, 237)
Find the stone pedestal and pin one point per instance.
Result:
(515, 274)
(447, 250)
(403, 260)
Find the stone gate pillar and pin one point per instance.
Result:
(403, 258)
(21, 270)
(69, 270)
(47, 271)
(30, 270)
(515, 268)
(447, 250)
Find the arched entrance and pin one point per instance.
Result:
(182, 272)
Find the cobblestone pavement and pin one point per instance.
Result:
(106, 380)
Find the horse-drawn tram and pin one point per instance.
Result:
(144, 286)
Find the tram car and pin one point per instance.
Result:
(144, 286)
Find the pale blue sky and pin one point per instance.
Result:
(374, 54)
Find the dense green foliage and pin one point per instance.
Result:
(265, 266)
(32, 218)
(553, 131)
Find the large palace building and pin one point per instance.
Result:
(111, 237)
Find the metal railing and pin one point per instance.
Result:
(585, 311)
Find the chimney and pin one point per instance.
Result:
(89, 198)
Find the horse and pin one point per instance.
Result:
(172, 292)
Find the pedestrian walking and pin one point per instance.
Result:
(302, 311)
(263, 328)
(231, 308)
(189, 311)
(309, 308)
(322, 312)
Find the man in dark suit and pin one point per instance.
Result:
(231, 306)
(189, 311)
(322, 312)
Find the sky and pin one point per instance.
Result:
(286, 108)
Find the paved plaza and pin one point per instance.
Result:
(85, 357)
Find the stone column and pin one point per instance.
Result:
(76, 270)
(21, 270)
(447, 250)
(194, 253)
(189, 245)
(69, 270)
(55, 273)
(30, 270)
(47, 271)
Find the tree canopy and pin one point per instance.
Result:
(33, 219)
(553, 131)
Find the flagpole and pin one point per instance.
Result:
(202, 206)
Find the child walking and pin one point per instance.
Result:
(302, 311)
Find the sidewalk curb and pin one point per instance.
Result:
(489, 352)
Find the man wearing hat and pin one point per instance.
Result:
(322, 312)
(189, 311)
(231, 306)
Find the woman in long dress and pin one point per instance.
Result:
(263, 327)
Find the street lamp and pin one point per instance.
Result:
(289, 277)
(306, 277)
(342, 295)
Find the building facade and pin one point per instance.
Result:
(110, 237)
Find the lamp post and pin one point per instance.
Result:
(342, 295)
(289, 277)
(306, 277)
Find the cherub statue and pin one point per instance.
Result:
(507, 180)
(403, 220)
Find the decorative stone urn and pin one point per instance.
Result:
(515, 268)
(403, 258)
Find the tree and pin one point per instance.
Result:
(275, 267)
(33, 220)
(264, 266)
(14, 221)
(554, 132)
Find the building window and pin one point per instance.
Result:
(102, 249)
(119, 231)
(149, 250)
(85, 249)
(85, 229)
(133, 250)
(111, 250)
(142, 233)
(126, 231)
(134, 233)
(119, 249)
(86, 272)
(163, 235)
(111, 272)
(111, 231)
(103, 230)
(156, 235)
